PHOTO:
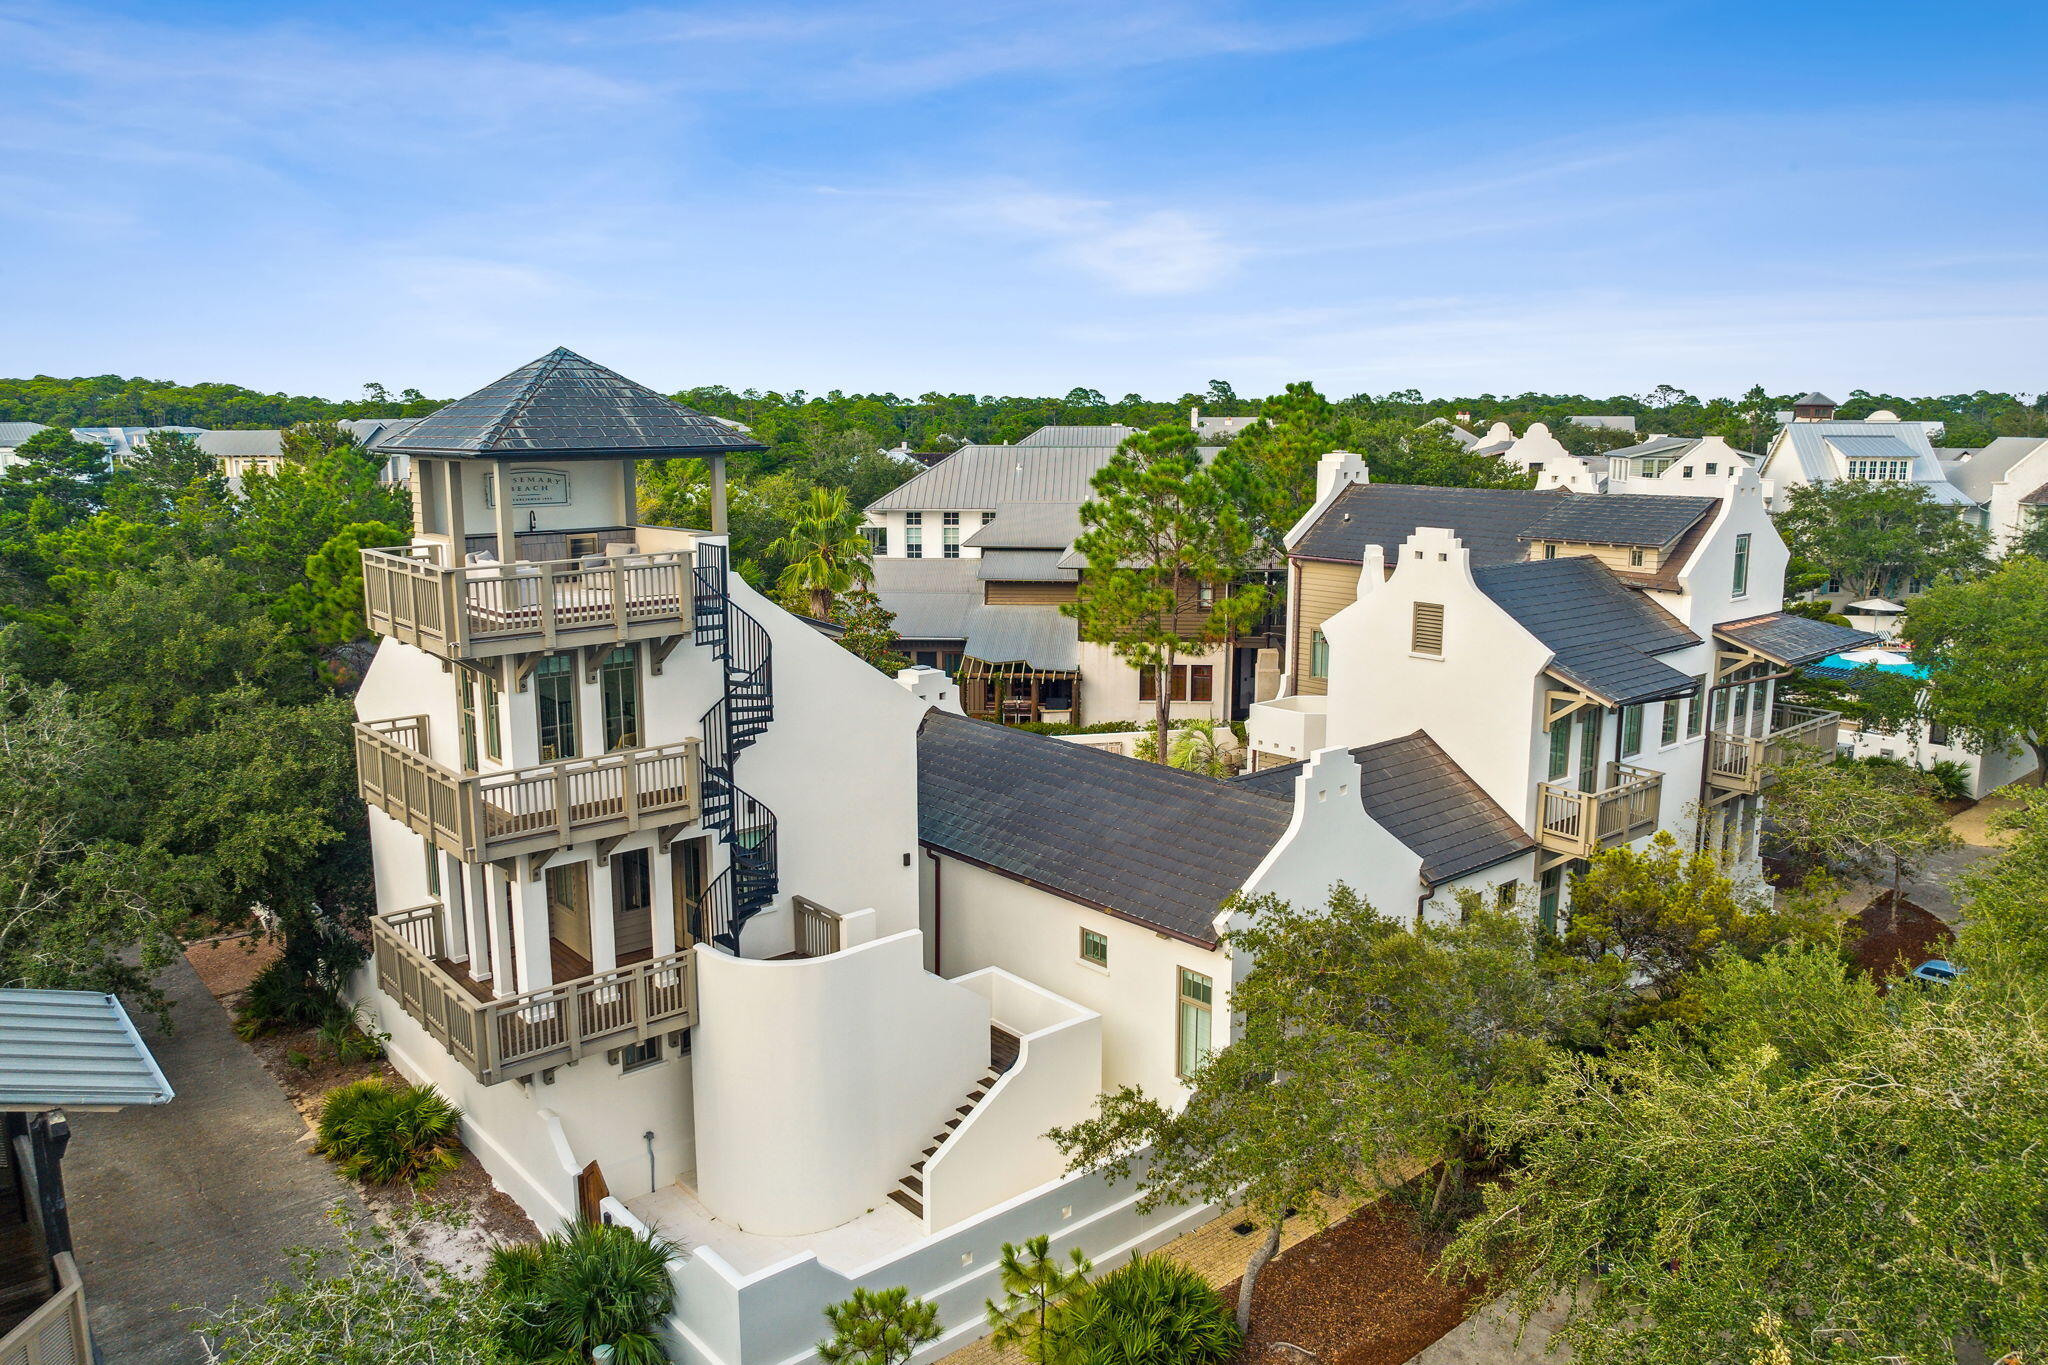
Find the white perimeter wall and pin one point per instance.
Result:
(1001, 1150)
(819, 1081)
(987, 920)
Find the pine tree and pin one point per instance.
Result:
(1034, 1283)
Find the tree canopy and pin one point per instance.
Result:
(1875, 538)
(1984, 644)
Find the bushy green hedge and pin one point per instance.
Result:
(384, 1133)
(1150, 1311)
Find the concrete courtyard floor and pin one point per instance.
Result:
(194, 1202)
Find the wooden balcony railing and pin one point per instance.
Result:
(819, 932)
(518, 1035)
(522, 810)
(56, 1332)
(1742, 763)
(1582, 823)
(479, 611)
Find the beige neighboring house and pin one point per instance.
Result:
(975, 558)
(257, 450)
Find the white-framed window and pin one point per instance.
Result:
(913, 535)
(1881, 471)
(1695, 707)
(1635, 558)
(1560, 750)
(1318, 654)
(1670, 732)
(1653, 466)
(1195, 1016)
(1741, 587)
(1631, 731)
(1094, 948)
(949, 535)
(877, 538)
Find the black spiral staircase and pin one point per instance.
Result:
(734, 722)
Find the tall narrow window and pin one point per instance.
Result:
(1546, 900)
(1742, 565)
(949, 535)
(1560, 750)
(1589, 749)
(1197, 995)
(433, 869)
(1696, 707)
(1670, 731)
(465, 693)
(913, 535)
(1318, 655)
(1635, 559)
(1201, 682)
(1426, 629)
(494, 726)
(1631, 731)
(1550, 551)
(618, 680)
(554, 706)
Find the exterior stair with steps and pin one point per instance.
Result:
(1002, 1055)
(742, 713)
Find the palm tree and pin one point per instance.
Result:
(588, 1285)
(827, 553)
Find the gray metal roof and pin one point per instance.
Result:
(1645, 519)
(13, 434)
(1024, 566)
(73, 1049)
(1043, 637)
(1413, 790)
(929, 597)
(1030, 526)
(560, 406)
(1109, 437)
(983, 478)
(1139, 840)
(1602, 635)
(231, 445)
(1816, 448)
(1790, 639)
(1490, 521)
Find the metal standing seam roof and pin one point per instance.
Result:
(1792, 640)
(1139, 840)
(229, 445)
(1030, 526)
(562, 405)
(930, 598)
(984, 477)
(1024, 566)
(1985, 467)
(1412, 789)
(13, 434)
(1602, 635)
(73, 1049)
(1816, 446)
(1043, 637)
(1110, 436)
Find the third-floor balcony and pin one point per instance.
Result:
(483, 816)
(639, 587)
(1581, 823)
(1742, 763)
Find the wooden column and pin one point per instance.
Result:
(508, 535)
(451, 494)
(454, 902)
(498, 905)
(604, 923)
(530, 930)
(661, 890)
(717, 463)
(483, 947)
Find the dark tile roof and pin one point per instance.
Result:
(1644, 519)
(1814, 400)
(1793, 639)
(564, 405)
(2037, 497)
(1603, 636)
(1418, 795)
(1490, 521)
(1142, 841)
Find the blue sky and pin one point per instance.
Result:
(1021, 196)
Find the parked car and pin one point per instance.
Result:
(1937, 970)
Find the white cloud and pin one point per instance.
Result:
(1128, 247)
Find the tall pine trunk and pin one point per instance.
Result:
(1162, 713)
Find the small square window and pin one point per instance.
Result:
(1635, 559)
(1094, 948)
(633, 1056)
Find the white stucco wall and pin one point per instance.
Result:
(988, 920)
(1331, 839)
(818, 1081)
(1000, 1150)
(1109, 687)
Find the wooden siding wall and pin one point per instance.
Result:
(1005, 593)
(1614, 557)
(1325, 590)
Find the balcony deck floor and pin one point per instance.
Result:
(568, 965)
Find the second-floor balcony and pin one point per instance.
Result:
(638, 590)
(1742, 763)
(483, 816)
(1581, 823)
(505, 1037)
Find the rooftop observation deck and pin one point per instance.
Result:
(479, 817)
(635, 585)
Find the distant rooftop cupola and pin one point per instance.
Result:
(1815, 407)
(564, 407)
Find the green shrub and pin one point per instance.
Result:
(588, 1285)
(1951, 779)
(348, 1036)
(384, 1133)
(1151, 1311)
(282, 997)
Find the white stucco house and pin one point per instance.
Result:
(2008, 482)
(1602, 666)
(1816, 447)
(975, 557)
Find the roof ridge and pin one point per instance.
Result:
(542, 369)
